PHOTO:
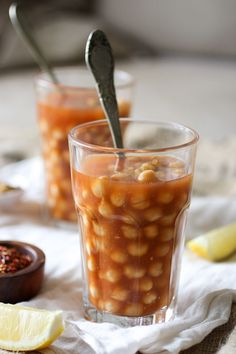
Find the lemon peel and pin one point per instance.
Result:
(216, 244)
(25, 328)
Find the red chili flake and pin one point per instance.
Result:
(12, 260)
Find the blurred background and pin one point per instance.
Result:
(181, 53)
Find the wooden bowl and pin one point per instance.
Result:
(25, 283)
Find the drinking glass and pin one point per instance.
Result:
(59, 109)
(131, 205)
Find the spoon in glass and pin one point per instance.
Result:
(99, 59)
(24, 32)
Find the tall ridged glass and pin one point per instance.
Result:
(132, 205)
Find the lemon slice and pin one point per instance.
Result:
(25, 328)
(216, 244)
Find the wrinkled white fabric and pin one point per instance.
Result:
(206, 289)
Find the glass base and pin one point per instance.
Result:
(61, 224)
(163, 315)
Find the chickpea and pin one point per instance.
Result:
(54, 158)
(151, 230)
(54, 144)
(139, 201)
(177, 173)
(168, 219)
(98, 187)
(100, 245)
(120, 176)
(129, 219)
(105, 209)
(117, 199)
(94, 292)
(147, 176)
(155, 162)
(165, 197)
(145, 284)
(129, 231)
(119, 257)
(165, 160)
(58, 134)
(111, 306)
(134, 272)
(54, 189)
(161, 251)
(51, 202)
(91, 264)
(149, 298)
(111, 275)
(44, 125)
(155, 269)
(152, 214)
(99, 229)
(133, 310)
(120, 294)
(137, 249)
(85, 193)
(146, 166)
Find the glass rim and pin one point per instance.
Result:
(99, 148)
(42, 80)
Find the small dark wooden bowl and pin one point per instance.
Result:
(25, 283)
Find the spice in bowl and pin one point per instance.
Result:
(12, 260)
(21, 271)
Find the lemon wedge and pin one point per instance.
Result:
(216, 244)
(25, 328)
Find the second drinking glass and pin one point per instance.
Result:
(59, 109)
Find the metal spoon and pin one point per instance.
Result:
(99, 59)
(21, 28)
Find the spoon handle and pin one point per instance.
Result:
(24, 33)
(99, 59)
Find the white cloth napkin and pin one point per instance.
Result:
(205, 295)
